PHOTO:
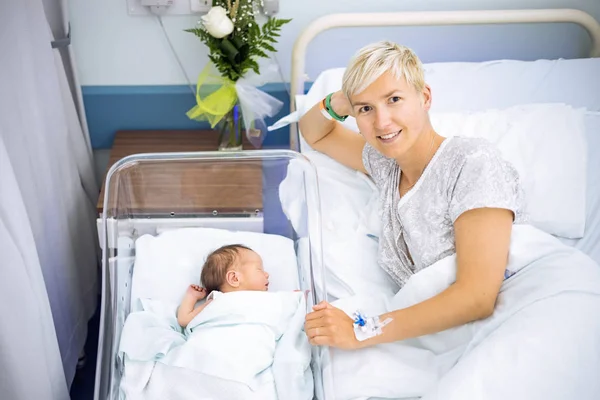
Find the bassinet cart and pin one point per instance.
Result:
(129, 214)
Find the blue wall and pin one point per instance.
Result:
(113, 108)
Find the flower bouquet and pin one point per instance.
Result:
(230, 98)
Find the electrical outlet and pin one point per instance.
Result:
(157, 3)
(270, 7)
(168, 7)
(158, 7)
(200, 6)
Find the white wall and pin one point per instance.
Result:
(114, 48)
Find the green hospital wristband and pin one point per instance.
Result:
(330, 109)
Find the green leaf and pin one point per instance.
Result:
(254, 65)
(268, 47)
(260, 53)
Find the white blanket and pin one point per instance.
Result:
(243, 345)
(542, 342)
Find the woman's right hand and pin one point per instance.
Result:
(340, 104)
(331, 138)
(327, 325)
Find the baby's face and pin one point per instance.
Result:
(253, 275)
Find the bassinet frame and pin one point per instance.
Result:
(117, 241)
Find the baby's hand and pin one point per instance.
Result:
(196, 292)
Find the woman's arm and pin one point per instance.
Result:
(482, 243)
(331, 138)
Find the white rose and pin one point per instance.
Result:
(217, 23)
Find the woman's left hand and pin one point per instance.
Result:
(330, 326)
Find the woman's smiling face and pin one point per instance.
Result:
(391, 114)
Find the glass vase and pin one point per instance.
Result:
(230, 130)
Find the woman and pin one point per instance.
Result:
(442, 197)
(438, 195)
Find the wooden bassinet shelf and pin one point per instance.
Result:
(183, 187)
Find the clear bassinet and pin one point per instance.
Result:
(147, 194)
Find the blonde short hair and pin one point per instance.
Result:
(370, 62)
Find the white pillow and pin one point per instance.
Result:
(166, 264)
(342, 191)
(545, 142)
(347, 199)
(479, 86)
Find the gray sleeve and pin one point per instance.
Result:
(377, 165)
(486, 180)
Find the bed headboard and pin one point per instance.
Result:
(428, 18)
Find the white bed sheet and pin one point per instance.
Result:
(552, 292)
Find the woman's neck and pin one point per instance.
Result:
(419, 155)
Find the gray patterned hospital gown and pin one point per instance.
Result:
(417, 230)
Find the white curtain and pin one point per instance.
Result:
(48, 245)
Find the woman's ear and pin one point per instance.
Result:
(232, 278)
(426, 97)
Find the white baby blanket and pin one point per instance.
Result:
(243, 345)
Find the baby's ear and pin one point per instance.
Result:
(232, 278)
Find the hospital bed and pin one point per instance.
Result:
(326, 223)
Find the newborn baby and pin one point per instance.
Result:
(230, 268)
(249, 344)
